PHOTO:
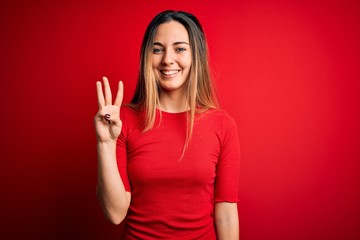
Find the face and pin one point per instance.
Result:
(171, 57)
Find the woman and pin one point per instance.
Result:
(170, 166)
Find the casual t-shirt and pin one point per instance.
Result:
(172, 197)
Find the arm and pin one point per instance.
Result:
(227, 183)
(227, 221)
(110, 190)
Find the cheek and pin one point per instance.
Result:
(155, 61)
(186, 61)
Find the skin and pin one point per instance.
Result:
(227, 221)
(171, 52)
(110, 190)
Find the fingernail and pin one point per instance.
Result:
(107, 116)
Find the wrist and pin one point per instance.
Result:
(106, 144)
(106, 150)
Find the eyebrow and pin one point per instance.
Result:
(175, 43)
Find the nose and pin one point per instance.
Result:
(168, 58)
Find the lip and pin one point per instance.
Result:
(169, 73)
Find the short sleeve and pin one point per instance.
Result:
(228, 166)
(121, 152)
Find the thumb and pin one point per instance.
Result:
(111, 119)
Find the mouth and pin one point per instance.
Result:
(169, 73)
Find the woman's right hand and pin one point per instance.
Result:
(107, 120)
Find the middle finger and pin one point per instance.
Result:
(107, 90)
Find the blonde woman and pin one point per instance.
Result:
(168, 162)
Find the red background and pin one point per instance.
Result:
(287, 71)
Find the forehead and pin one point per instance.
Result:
(170, 32)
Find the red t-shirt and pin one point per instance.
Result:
(173, 198)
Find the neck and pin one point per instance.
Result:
(173, 102)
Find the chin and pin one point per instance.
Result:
(168, 88)
(171, 84)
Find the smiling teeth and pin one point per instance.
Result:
(169, 72)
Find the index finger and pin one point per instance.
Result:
(120, 94)
(100, 95)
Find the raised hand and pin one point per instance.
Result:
(107, 120)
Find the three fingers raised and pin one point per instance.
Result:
(107, 100)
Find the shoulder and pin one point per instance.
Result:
(131, 117)
(215, 120)
(128, 111)
(218, 115)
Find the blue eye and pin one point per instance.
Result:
(157, 50)
(180, 49)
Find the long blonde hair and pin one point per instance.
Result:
(199, 89)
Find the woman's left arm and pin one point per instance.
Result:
(227, 221)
